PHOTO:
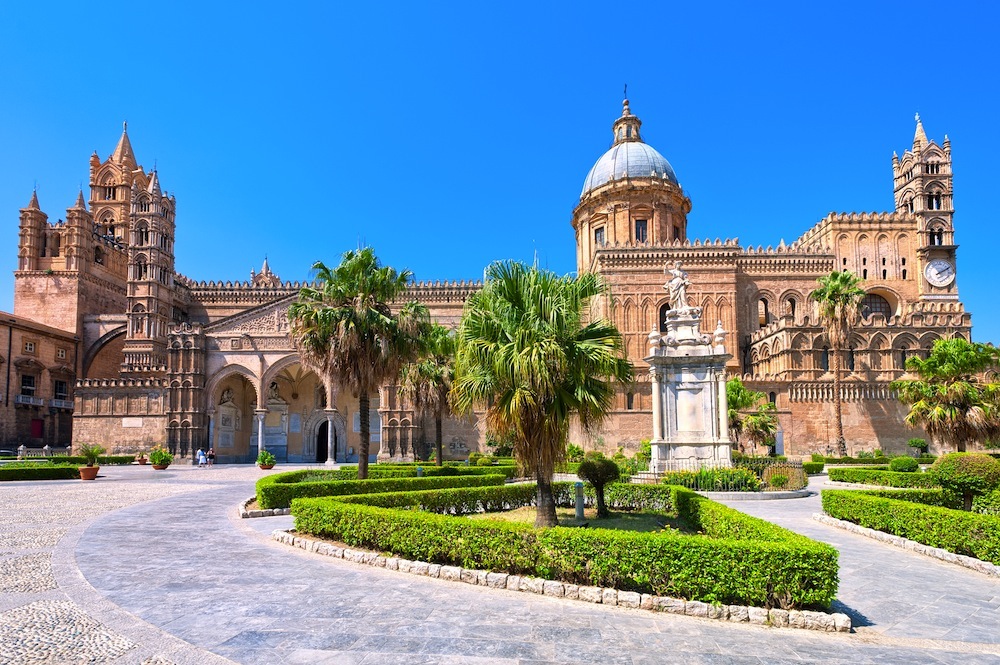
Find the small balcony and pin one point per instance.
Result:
(29, 400)
(61, 404)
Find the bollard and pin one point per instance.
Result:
(420, 472)
(579, 501)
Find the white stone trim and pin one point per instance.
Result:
(807, 619)
(269, 512)
(977, 565)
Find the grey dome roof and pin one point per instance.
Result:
(629, 159)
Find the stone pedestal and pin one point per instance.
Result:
(690, 410)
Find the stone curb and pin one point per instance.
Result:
(270, 512)
(904, 543)
(809, 620)
(756, 496)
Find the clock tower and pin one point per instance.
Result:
(923, 190)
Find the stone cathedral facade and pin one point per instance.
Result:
(154, 357)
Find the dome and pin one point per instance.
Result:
(629, 159)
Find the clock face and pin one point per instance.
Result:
(940, 272)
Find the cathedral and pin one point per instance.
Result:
(109, 344)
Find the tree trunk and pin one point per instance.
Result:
(838, 415)
(602, 508)
(546, 513)
(363, 407)
(438, 438)
(960, 445)
(967, 501)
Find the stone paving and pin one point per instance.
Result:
(156, 568)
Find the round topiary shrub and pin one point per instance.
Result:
(968, 474)
(599, 472)
(904, 464)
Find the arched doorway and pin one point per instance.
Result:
(322, 435)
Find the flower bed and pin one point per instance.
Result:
(883, 477)
(278, 490)
(909, 516)
(739, 559)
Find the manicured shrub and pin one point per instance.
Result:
(574, 453)
(485, 460)
(812, 468)
(957, 531)
(739, 559)
(777, 481)
(987, 504)
(33, 471)
(279, 493)
(968, 474)
(103, 460)
(882, 477)
(599, 473)
(904, 464)
(816, 457)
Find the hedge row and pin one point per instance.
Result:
(78, 459)
(812, 468)
(739, 559)
(867, 461)
(38, 472)
(277, 492)
(957, 531)
(409, 470)
(882, 477)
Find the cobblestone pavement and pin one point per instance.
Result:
(156, 568)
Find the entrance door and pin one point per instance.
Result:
(321, 442)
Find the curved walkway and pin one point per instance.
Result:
(158, 568)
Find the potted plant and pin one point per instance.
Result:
(265, 460)
(160, 458)
(140, 458)
(90, 453)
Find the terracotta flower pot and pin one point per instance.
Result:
(160, 467)
(88, 472)
(266, 466)
(142, 460)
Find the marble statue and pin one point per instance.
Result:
(677, 286)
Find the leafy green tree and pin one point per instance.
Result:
(949, 398)
(752, 419)
(345, 330)
(838, 296)
(967, 474)
(599, 472)
(427, 380)
(531, 359)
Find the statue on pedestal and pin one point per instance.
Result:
(677, 286)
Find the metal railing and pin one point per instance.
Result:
(751, 474)
(29, 399)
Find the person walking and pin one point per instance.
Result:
(202, 461)
(211, 457)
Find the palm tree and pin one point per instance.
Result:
(752, 418)
(950, 399)
(344, 329)
(838, 297)
(529, 358)
(427, 380)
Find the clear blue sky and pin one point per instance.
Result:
(450, 135)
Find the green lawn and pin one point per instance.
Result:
(645, 522)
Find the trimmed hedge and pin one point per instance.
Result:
(883, 477)
(812, 468)
(739, 559)
(409, 470)
(957, 531)
(278, 490)
(868, 461)
(103, 459)
(15, 471)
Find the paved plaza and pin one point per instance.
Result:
(157, 568)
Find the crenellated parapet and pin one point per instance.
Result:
(442, 291)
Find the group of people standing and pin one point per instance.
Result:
(205, 459)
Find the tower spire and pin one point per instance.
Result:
(919, 137)
(626, 128)
(33, 203)
(123, 151)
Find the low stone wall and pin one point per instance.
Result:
(978, 565)
(806, 619)
(246, 513)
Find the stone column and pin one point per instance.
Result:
(260, 414)
(211, 429)
(330, 460)
(654, 376)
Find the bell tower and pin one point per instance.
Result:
(922, 180)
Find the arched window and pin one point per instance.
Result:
(873, 303)
(630, 401)
(937, 236)
(850, 359)
(663, 317)
(824, 359)
(99, 256)
(763, 313)
(772, 397)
